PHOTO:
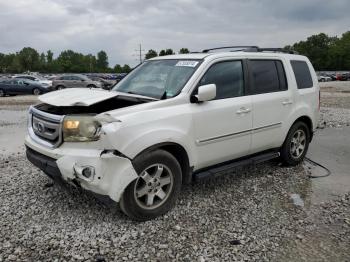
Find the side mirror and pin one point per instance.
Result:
(206, 93)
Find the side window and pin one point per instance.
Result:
(66, 78)
(302, 74)
(267, 76)
(228, 78)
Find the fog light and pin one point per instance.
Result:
(88, 172)
(85, 172)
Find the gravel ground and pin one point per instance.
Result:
(335, 94)
(334, 117)
(325, 226)
(242, 217)
(261, 213)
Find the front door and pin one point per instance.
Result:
(223, 125)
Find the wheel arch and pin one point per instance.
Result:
(57, 86)
(179, 152)
(307, 120)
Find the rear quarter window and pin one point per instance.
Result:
(302, 74)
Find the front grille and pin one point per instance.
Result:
(45, 128)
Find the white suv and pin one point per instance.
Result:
(175, 119)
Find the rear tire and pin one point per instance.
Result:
(296, 144)
(2, 93)
(36, 91)
(155, 191)
(92, 86)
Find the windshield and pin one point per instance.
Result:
(158, 78)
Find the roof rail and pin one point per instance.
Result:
(243, 47)
(277, 50)
(252, 49)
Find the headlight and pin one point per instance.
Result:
(80, 129)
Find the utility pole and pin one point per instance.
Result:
(140, 52)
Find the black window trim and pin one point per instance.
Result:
(251, 81)
(245, 78)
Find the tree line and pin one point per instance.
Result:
(325, 52)
(330, 53)
(28, 59)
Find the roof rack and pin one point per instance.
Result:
(252, 49)
(277, 50)
(242, 47)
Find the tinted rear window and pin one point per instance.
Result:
(302, 74)
(267, 76)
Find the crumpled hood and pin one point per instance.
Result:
(80, 96)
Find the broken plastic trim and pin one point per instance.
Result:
(114, 152)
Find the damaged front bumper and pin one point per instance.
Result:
(98, 171)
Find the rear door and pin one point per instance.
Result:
(76, 81)
(272, 102)
(222, 126)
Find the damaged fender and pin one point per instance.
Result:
(112, 173)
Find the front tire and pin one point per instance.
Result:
(296, 144)
(2, 93)
(156, 189)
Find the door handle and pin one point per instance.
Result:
(287, 102)
(243, 110)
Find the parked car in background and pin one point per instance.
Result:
(106, 84)
(74, 80)
(120, 76)
(21, 86)
(343, 76)
(44, 82)
(333, 76)
(323, 78)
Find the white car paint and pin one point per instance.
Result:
(210, 132)
(79, 96)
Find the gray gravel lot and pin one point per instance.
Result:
(246, 216)
(253, 209)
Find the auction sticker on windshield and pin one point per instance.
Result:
(187, 63)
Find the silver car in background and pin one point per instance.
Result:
(41, 80)
(74, 80)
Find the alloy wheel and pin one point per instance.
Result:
(298, 143)
(36, 91)
(153, 186)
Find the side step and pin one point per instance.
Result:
(216, 170)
